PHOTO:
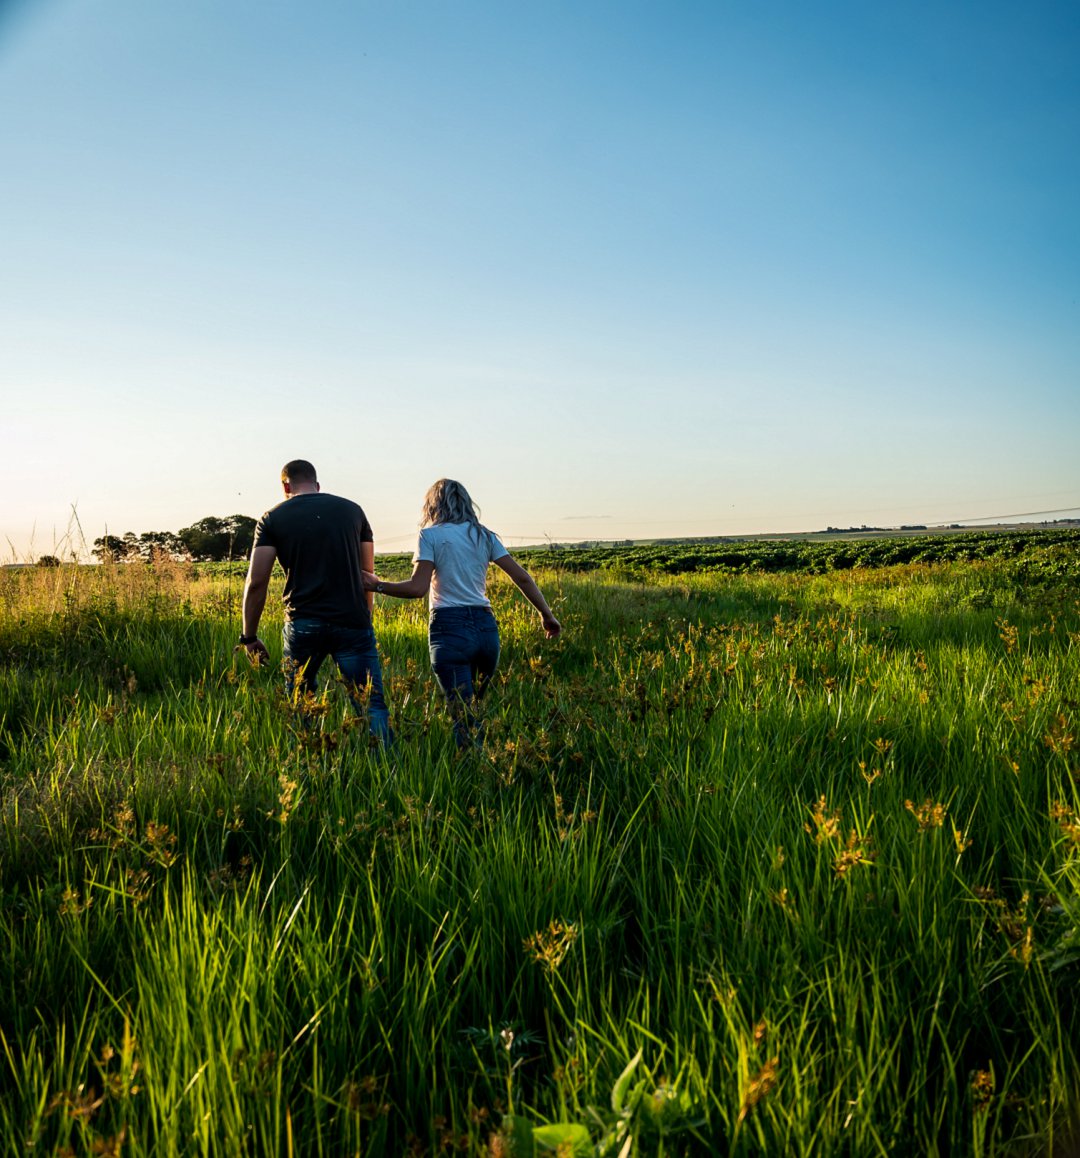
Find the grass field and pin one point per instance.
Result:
(751, 864)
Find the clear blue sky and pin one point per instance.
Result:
(625, 269)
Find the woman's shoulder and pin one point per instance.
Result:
(436, 535)
(473, 535)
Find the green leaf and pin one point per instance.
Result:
(518, 1133)
(618, 1091)
(562, 1134)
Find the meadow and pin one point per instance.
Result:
(751, 863)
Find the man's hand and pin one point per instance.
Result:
(371, 580)
(256, 651)
(552, 626)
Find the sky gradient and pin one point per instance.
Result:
(624, 269)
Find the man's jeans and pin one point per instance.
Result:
(464, 647)
(309, 641)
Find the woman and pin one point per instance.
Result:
(451, 561)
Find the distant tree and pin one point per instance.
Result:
(48, 561)
(214, 540)
(242, 528)
(155, 544)
(209, 540)
(202, 540)
(110, 549)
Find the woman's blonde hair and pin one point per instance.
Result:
(448, 501)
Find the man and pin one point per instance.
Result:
(324, 544)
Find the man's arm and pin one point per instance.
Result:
(256, 585)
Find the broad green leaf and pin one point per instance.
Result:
(618, 1091)
(550, 1138)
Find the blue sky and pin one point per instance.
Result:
(625, 269)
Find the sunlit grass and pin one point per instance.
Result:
(783, 864)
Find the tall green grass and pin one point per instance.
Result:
(757, 864)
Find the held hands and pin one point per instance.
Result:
(371, 580)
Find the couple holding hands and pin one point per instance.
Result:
(326, 549)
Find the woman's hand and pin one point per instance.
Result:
(552, 626)
(371, 580)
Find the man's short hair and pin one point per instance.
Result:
(298, 471)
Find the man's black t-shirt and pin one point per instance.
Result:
(317, 538)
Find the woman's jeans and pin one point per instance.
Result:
(464, 647)
(309, 641)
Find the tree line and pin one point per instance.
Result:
(210, 540)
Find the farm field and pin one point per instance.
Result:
(1042, 552)
(757, 859)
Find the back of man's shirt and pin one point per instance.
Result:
(317, 538)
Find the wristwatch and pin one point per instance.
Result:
(378, 587)
(246, 639)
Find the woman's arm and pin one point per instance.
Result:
(526, 584)
(415, 587)
(367, 563)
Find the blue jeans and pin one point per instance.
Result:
(309, 641)
(464, 646)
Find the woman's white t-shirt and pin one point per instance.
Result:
(461, 553)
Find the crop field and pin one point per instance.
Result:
(1042, 553)
(755, 860)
